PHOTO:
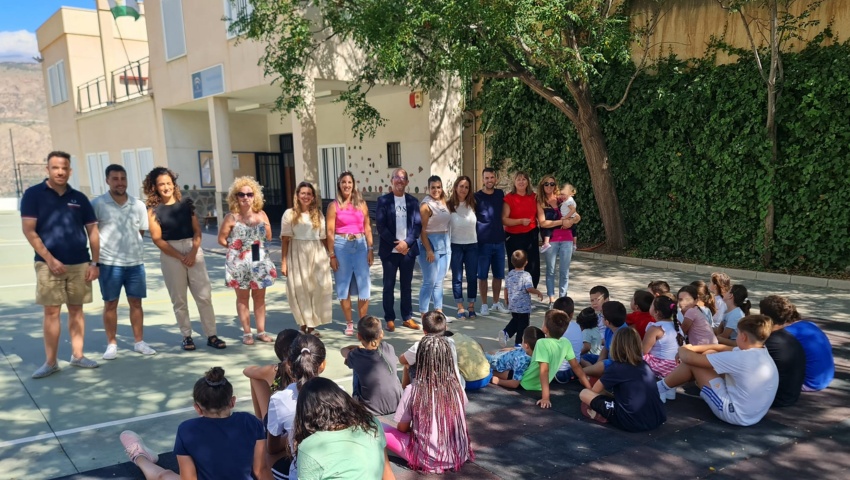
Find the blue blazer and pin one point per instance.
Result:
(386, 224)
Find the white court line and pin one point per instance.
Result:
(150, 416)
(18, 285)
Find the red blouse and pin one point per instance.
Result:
(522, 206)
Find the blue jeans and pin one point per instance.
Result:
(491, 254)
(563, 252)
(465, 257)
(434, 272)
(112, 278)
(396, 263)
(353, 264)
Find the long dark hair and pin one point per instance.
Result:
(282, 348)
(665, 305)
(454, 202)
(437, 396)
(213, 391)
(149, 186)
(739, 298)
(305, 358)
(323, 406)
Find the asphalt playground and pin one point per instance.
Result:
(67, 425)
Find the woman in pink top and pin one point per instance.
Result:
(560, 251)
(519, 216)
(350, 247)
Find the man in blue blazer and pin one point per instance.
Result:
(398, 227)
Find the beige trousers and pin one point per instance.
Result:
(179, 278)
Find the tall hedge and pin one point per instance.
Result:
(688, 151)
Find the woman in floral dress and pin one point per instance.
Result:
(305, 262)
(248, 268)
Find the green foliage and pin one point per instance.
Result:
(689, 154)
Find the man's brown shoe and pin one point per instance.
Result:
(410, 323)
(390, 326)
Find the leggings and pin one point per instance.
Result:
(397, 441)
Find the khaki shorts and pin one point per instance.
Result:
(71, 288)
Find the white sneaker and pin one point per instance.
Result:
(111, 352)
(484, 310)
(144, 348)
(500, 307)
(502, 337)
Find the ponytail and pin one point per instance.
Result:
(665, 305)
(305, 358)
(739, 297)
(282, 348)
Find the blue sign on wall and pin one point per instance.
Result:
(208, 82)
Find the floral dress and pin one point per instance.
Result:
(240, 271)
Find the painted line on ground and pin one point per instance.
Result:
(20, 285)
(141, 418)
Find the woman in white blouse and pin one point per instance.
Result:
(464, 245)
(304, 260)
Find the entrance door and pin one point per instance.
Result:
(270, 176)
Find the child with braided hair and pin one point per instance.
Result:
(431, 432)
(663, 338)
(306, 361)
(220, 443)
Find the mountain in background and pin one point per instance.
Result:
(23, 110)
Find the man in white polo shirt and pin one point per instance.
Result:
(122, 220)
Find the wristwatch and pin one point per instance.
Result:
(94, 264)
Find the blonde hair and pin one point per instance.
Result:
(569, 188)
(541, 195)
(313, 209)
(355, 199)
(626, 347)
(238, 184)
(520, 173)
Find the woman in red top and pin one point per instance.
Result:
(519, 216)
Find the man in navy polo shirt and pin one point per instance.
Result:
(57, 221)
(489, 202)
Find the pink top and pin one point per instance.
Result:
(561, 234)
(348, 220)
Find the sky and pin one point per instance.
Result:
(18, 21)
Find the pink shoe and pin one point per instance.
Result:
(135, 448)
(349, 330)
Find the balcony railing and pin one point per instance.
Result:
(128, 82)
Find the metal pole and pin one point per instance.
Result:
(18, 186)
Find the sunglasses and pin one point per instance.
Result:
(399, 177)
(243, 194)
(549, 184)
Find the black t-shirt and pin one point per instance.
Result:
(637, 404)
(176, 219)
(790, 359)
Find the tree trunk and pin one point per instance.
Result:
(774, 77)
(596, 154)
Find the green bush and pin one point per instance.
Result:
(689, 153)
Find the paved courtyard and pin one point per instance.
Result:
(67, 425)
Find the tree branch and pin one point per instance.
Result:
(498, 74)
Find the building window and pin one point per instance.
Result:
(172, 29)
(393, 154)
(57, 84)
(233, 9)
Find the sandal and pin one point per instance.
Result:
(247, 339)
(304, 329)
(461, 314)
(188, 344)
(215, 342)
(264, 337)
(592, 414)
(313, 332)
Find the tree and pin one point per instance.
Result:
(781, 27)
(551, 46)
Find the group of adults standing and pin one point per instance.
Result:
(463, 232)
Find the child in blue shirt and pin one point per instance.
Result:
(519, 286)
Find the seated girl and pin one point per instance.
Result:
(662, 340)
(696, 321)
(737, 306)
(219, 444)
(306, 361)
(431, 431)
(635, 405)
(509, 364)
(336, 436)
(267, 379)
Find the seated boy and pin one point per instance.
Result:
(738, 384)
(509, 364)
(640, 317)
(548, 355)
(573, 334)
(375, 381)
(820, 364)
(785, 350)
(614, 314)
(433, 323)
(471, 361)
(598, 296)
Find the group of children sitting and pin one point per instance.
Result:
(629, 364)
